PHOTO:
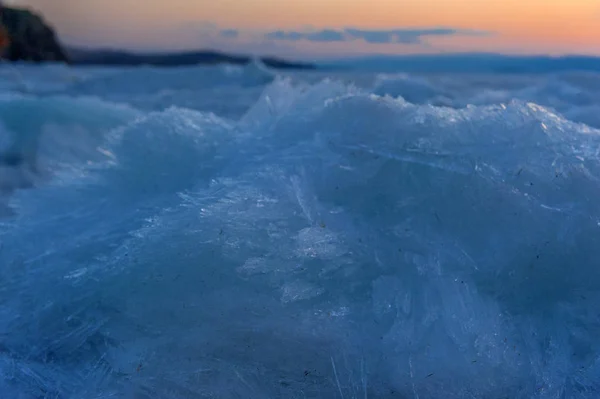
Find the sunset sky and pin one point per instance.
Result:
(325, 28)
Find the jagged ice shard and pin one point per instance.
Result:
(228, 233)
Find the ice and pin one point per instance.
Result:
(413, 89)
(343, 236)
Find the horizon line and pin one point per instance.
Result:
(328, 57)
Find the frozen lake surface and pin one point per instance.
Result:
(226, 232)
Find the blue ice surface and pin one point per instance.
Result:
(227, 232)
(467, 63)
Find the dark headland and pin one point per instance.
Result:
(26, 37)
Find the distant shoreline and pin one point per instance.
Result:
(78, 57)
(415, 63)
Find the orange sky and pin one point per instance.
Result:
(519, 26)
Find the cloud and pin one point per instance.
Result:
(326, 35)
(281, 35)
(229, 33)
(400, 35)
(293, 43)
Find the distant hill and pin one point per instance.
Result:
(80, 56)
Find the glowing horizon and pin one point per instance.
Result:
(540, 27)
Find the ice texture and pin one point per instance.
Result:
(348, 236)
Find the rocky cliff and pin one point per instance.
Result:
(29, 37)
